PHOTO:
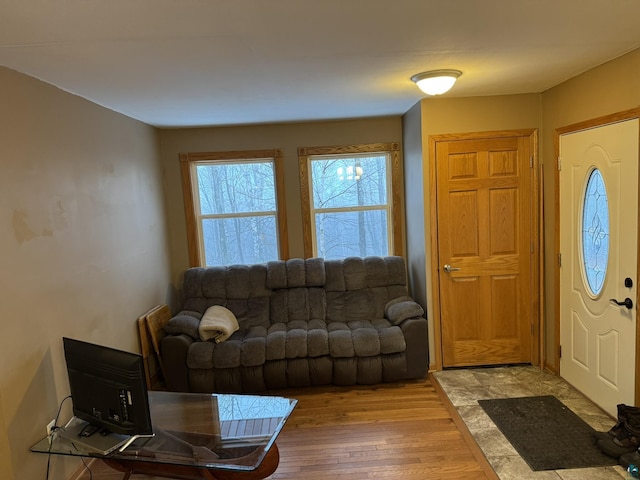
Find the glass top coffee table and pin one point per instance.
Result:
(208, 436)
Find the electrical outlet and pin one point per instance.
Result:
(50, 426)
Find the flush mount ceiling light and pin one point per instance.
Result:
(436, 82)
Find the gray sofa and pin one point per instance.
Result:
(302, 322)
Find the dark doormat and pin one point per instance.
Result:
(546, 433)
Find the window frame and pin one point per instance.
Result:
(188, 164)
(395, 198)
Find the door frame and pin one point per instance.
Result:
(537, 267)
(574, 128)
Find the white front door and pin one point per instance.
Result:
(598, 246)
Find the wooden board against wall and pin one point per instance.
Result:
(151, 330)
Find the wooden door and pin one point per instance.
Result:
(598, 243)
(485, 224)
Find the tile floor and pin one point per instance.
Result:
(465, 386)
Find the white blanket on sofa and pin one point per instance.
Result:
(217, 323)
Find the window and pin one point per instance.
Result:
(234, 205)
(595, 232)
(351, 200)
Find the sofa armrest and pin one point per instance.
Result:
(174, 354)
(416, 336)
(186, 322)
(401, 308)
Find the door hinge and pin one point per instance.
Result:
(559, 259)
(559, 163)
(531, 161)
(559, 351)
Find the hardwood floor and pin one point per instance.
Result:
(403, 431)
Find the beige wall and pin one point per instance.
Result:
(287, 137)
(84, 249)
(607, 89)
(450, 115)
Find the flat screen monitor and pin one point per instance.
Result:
(108, 388)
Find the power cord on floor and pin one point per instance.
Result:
(86, 466)
(53, 430)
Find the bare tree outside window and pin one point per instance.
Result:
(350, 205)
(232, 208)
(238, 212)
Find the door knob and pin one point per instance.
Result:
(627, 302)
(448, 268)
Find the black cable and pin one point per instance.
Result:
(53, 429)
(87, 468)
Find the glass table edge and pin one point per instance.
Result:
(44, 446)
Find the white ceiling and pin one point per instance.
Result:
(174, 63)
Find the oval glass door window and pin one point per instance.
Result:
(595, 232)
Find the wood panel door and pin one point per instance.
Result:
(485, 204)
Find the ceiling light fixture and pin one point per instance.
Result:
(436, 82)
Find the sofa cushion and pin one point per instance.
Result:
(250, 312)
(391, 340)
(246, 348)
(359, 288)
(234, 281)
(351, 306)
(317, 342)
(200, 355)
(297, 339)
(341, 343)
(296, 343)
(228, 354)
(304, 304)
(366, 342)
(276, 342)
(296, 272)
(240, 288)
(365, 338)
(356, 273)
(253, 347)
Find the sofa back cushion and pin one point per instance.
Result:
(298, 290)
(240, 288)
(296, 272)
(290, 304)
(348, 290)
(359, 288)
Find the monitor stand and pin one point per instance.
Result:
(97, 442)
